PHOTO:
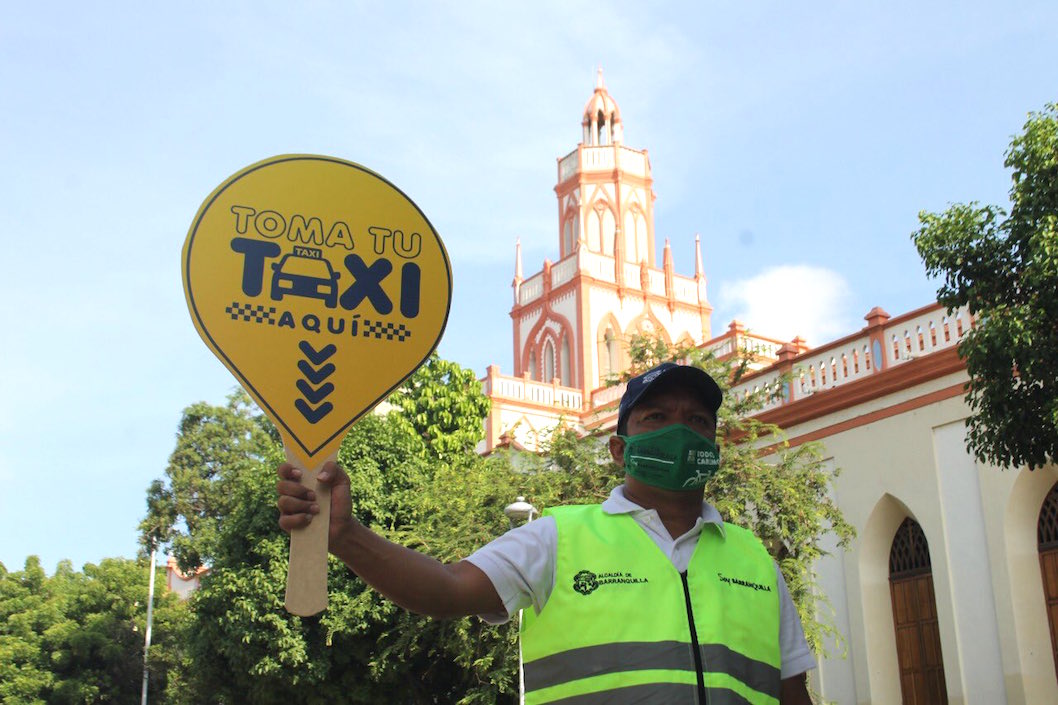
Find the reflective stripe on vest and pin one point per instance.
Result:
(615, 628)
(654, 694)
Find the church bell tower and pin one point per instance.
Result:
(573, 319)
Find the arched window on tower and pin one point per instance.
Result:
(608, 355)
(534, 371)
(549, 361)
(641, 234)
(570, 231)
(918, 650)
(608, 228)
(565, 378)
(635, 233)
(604, 137)
(632, 253)
(594, 230)
(601, 228)
(1047, 542)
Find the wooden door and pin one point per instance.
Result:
(1049, 569)
(918, 650)
(1047, 542)
(918, 640)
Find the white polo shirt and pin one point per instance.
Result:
(521, 566)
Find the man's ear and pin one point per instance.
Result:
(617, 450)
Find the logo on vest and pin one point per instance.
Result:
(586, 582)
(744, 583)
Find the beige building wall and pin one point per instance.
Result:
(980, 522)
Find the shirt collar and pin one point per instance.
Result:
(617, 503)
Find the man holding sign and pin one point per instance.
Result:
(649, 597)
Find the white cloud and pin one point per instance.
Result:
(791, 300)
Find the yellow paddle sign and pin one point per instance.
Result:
(322, 287)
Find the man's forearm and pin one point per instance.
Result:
(414, 580)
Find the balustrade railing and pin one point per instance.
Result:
(829, 367)
(521, 389)
(762, 347)
(596, 158)
(850, 359)
(606, 395)
(767, 385)
(633, 161)
(567, 166)
(723, 346)
(532, 288)
(631, 274)
(563, 271)
(656, 282)
(929, 331)
(596, 266)
(630, 161)
(685, 290)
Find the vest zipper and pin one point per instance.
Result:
(703, 699)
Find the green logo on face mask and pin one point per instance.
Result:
(672, 458)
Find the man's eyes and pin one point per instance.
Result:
(701, 420)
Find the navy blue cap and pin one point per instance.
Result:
(686, 376)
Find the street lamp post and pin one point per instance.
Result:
(520, 510)
(150, 618)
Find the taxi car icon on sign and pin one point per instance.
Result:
(305, 273)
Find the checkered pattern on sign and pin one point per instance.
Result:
(251, 312)
(380, 329)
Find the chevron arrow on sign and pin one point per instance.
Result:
(313, 375)
(310, 414)
(314, 396)
(317, 356)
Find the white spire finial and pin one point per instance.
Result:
(517, 283)
(698, 270)
(598, 78)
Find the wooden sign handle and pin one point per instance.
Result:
(307, 572)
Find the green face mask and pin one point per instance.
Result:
(672, 458)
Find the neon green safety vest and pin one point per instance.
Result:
(623, 626)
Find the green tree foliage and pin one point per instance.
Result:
(444, 403)
(77, 638)
(246, 648)
(243, 646)
(779, 492)
(1004, 268)
(216, 446)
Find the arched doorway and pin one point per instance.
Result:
(918, 650)
(1047, 540)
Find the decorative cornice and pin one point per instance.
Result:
(873, 416)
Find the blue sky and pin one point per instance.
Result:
(799, 139)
